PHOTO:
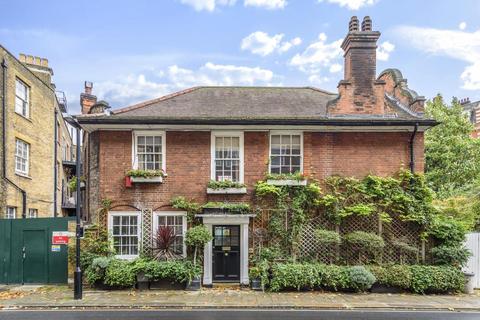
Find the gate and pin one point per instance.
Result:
(473, 244)
(27, 254)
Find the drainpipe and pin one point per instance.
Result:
(410, 144)
(4, 139)
(55, 165)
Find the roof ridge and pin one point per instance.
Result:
(148, 102)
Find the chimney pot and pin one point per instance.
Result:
(353, 25)
(22, 58)
(88, 87)
(367, 24)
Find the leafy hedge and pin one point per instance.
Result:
(122, 273)
(420, 279)
(309, 276)
(414, 278)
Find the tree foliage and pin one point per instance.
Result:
(452, 156)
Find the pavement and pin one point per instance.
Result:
(61, 297)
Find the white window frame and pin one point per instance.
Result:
(29, 214)
(153, 133)
(8, 212)
(235, 134)
(27, 102)
(182, 214)
(138, 214)
(27, 159)
(283, 132)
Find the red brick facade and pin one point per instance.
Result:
(188, 162)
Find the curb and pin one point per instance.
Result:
(227, 307)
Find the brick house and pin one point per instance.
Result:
(472, 110)
(372, 125)
(36, 141)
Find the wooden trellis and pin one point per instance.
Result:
(310, 249)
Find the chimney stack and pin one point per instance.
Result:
(360, 91)
(87, 99)
(39, 66)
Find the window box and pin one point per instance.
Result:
(227, 191)
(221, 208)
(158, 179)
(287, 182)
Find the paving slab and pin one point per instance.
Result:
(54, 297)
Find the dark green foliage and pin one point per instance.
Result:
(360, 279)
(436, 279)
(456, 256)
(120, 273)
(452, 156)
(365, 243)
(328, 241)
(420, 279)
(145, 173)
(178, 271)
(231, 207)
(225, 184)
(94, 244)
(191, 207)
(197, 237)
(286, 176)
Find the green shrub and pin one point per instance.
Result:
(95, 243)
(197, 237)
(436, 279)
(145, 173)
(178, 271)
(447, 230)
(399, 276)
(96, 270)
(239, 208)
(327, 237)
(293, 276)
(456, 256)
(333, 277)
(360, 279)
(365, 243)
(225, 184)
(119, 273)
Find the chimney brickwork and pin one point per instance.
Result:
(87, 99)
(360, 92)
(39, 66)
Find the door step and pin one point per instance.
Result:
(226, 286)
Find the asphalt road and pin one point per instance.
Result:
(234, 315)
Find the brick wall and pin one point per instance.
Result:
(188, 163)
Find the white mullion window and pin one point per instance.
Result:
(125, 229)
(177, 221)
(227, 156)
(22, 150)
(22, 98)
(32, 213)
(286, 152)
(11, 213)
(149, 150)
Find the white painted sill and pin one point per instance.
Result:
(158, 179)
(227, 191)
(287, 182)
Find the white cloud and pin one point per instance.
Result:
(267, 4)
(317, 80)
(384, 50)
(352, 4)
(318, 55)
(134, 88)
(208, 5)
(336, 67)
(462, 25)
(261, 43)
(460, 45)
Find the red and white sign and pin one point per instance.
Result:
(60, 237)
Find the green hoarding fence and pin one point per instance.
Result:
(27, 254)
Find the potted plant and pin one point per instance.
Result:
(197, 237)
(144, 176)
(286, 179)
(226, 187)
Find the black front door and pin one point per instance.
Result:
(226, 253)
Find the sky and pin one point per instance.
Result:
(138, 50)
